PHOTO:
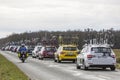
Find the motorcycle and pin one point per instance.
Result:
(23, 56)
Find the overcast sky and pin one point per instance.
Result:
(18, 16)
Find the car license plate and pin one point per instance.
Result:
(50, 53)
(104, 56)
(70, 54)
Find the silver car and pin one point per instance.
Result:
(96, 55)
(35, 51)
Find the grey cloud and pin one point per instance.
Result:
(25, 15)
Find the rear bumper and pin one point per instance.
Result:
(67, 58)
(48, 56)
(101, 65)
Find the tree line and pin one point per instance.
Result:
(88, 35)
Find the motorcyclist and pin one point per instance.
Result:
(22, 49)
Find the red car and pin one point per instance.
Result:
(46, 52)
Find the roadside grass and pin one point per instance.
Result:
(8, 71)
(117, 52)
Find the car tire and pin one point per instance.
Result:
(104, 68)
(59, 61)
(33, 56)
(112, 68)
(84, 66)
(55, 60)
(74, 61)
(78, 67)
(39, 57)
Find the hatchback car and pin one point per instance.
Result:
(46, 52)
(35, 51)
(66, 53)
(96, 56)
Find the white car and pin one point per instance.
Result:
(35, 51)
(94, 55)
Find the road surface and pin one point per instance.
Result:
(49, 70)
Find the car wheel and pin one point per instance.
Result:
(78, 67)
(104, 68)
(33, 56)
(84, 66)
(40, 57)
(74, 61)
(112, 68)
(59, 61)
(55, 60)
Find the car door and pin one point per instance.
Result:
(81, 55)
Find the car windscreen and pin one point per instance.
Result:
(39, 48)
(50, 49)
(101, 50)
(70, 48)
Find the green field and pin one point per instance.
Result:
(117, 52)
(8, 71)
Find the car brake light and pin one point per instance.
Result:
(44, 51)
(89, 56)
(61, 52)
(78, 52)
(113, 56)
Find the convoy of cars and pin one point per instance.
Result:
(92, 55)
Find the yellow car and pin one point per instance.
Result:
(66, 52)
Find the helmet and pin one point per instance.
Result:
(22, 45)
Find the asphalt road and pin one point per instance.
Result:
(49, 70)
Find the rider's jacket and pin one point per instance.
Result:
(22, 49)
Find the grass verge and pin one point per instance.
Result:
(8, 71)
(117, 52)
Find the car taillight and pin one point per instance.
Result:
(61, 52)
(78, 52)
(113, 56)
(44, 52)
(89, 56)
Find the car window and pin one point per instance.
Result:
(70, 48)
(39, 48)
(101, 50)
(50, 49)
(59, 49)
(84, 50)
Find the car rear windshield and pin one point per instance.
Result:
(70, 48)
(101, 50)
(50, 49)
(39, 48)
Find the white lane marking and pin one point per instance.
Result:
(105, 77)
(52, 65)
(92, 77)
(77, 74)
